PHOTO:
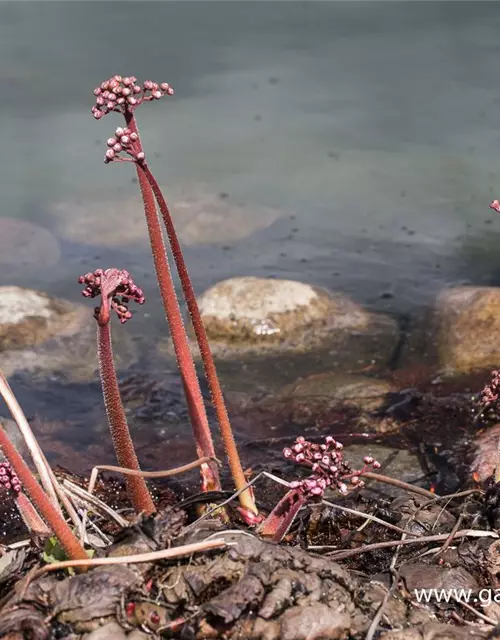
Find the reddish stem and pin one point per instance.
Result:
(246, 497)
(56, 522)
(30, 515)
(279, 521)
(194, 398)
(122, 442)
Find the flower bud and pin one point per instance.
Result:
(111, 142)
(119, 132)
(110, 154)
(140, 156)
(368, 459)
(342, 488)
(117, 147)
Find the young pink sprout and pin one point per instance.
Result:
(131, 95)
(328, 466)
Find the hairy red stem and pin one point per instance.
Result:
(246, 497)
(194, 398)
(56, 522)
(122, 442)
(30, 515)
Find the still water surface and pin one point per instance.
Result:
(370, 130)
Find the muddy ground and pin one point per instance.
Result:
(336, 574)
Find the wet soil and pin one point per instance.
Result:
(323, 580)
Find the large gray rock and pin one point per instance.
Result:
(256, 315)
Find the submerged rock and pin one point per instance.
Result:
(25, 244)
(259, 315)
(335, 388)
(467, 327)
(39, 333)
(200, 217)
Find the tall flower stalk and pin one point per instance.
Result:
(246, 498)
(116, 289)
(123, 95)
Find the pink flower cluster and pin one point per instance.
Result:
(8, 477)
(495, 205)
(127, 141)
(491, 391)
(115, 284)
(329, 468)
(123, 94)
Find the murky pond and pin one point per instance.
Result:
(349, 145)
